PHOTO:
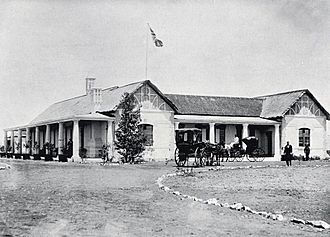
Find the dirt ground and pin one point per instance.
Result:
(56, 199)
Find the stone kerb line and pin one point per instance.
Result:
(236, 206)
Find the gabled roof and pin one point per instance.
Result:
(82, 105)
(269, 106)
(276, 105)
(214, 105)
(112, 99)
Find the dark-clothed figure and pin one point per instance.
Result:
(70, 148)
(307, 150)
(288, 153)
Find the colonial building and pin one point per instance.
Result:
(90, 120)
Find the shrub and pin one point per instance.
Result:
(298, 157)
(315, 158)
(83, 152)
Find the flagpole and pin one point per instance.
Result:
(147, 53)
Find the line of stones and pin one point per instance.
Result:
(236, 206)
(4, 166)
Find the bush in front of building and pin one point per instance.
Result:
(315, 158)
(2, 151)
(298, 157)
(130, 139)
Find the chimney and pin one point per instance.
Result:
(89, 84)
(96, 96)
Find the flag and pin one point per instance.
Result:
(158, 42)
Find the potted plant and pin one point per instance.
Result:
(9, 152)
(26, 155)
(64, 156)
(47, 149)
(83, 153)
(54, 151)
(17, 148)
(2, 151)
(36, 156)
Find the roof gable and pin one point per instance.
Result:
(112, 100)
(150, 99)
(277, 105)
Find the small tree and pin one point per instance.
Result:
(130, 139)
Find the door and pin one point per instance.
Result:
(269, 136)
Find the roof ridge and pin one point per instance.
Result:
(214, 96)
(108, 88)
(122, 86)
(282, 93)
(68, 99)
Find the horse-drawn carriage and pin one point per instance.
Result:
(189, 146)
(214, 153)
(253, 151)
(191, 151)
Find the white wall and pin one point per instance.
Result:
(290, 132)
(163, 134)
(157, 113)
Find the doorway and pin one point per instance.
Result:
(269, 136)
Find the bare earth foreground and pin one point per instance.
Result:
(66, 199)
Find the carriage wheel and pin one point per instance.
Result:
(180, 159)
(250, 158)
(258, 154)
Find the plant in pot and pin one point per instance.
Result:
(64, 156)
(27, 145)
(36, 155)
(2, 151)
(47, 147)
(83, 153)
(105, 153)
(9, 152)
(54, 150)
(17, 155)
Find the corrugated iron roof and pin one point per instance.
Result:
(269, 106)
(276, 105)
(214, 105)
(83, 104)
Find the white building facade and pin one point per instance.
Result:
(88, 122)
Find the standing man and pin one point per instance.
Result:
(288, 153)
(307, 150)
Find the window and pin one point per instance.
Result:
(304, 137)
(147, 130)
(220, 134)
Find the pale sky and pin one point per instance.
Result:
(224, 47)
